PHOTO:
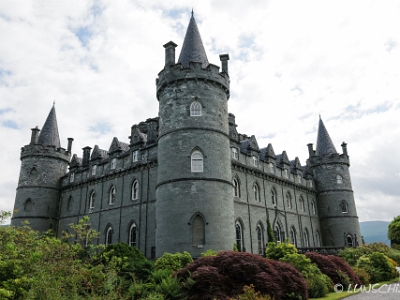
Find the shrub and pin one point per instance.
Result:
(395, 255)
(277, 251)
(363, 274)
(380, 262)
(250, 294)
(330, 264)
(209, 252)
(224, 276)
(173, 262)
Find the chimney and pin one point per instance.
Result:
(310, 150)
(344, 148)
(35, 135)
(70, 140)
(170, 53)
(86, 156)
(224, 59)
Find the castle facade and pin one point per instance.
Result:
(188, 180)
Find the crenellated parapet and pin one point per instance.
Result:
(49, 151)
(331, 159)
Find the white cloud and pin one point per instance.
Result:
(290, 61)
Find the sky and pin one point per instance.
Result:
(290, 61)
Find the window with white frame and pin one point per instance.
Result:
(344, 207)
(301, 204)
(71, 177)
(339, 179)
(260, 239)
(288, 200)
(113, 163)
(318, 239)
(239, 236)
(279, 233)
(256, 192)
(111, 199)
(94, 168)
(306, 238)
(236, 188)
(255, 161)
(198, 238)
(235, 154)
(195, 109)
(197, 162)
(132, 235)
(135, 155)
(91, 200)
(299, 178)
(272, 168)
(135, 190)
(285, 173)
(109, 234)
(313, 207)
(293, 239)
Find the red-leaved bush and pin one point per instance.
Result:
(224, 276)
(330, 264)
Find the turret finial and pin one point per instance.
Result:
(192, 12)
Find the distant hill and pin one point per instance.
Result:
(375, 232)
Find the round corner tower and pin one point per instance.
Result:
(43, 163)
(336, 206)
(194, 204)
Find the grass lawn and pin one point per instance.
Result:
(344, 294)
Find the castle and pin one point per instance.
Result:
(188, 180)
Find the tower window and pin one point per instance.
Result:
(112, 195)
(109, 234)
(256, 192)
(135, 155)
(91, 200)
(260, 239)
(239, 236)
(235, 154)
(236, 188)
(197, 162)
(28, 205)
(70, 203)
(195, 109)
(135, 190)
(198, 231)
(349, 240)
(132, 235)
(94, 168)
(339, 179)
(113, 163)
(344, 207)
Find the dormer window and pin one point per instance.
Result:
(235, 154)
(135, 155)
(195, 109)
(255, 161)
(94, 168)
(299, 178)
(272, 168)
(72, 177)
(113, 163)
(285, 173)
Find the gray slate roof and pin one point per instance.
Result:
(193, 49)
(324, 143)
(49, 134)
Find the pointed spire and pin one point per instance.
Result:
(324, 143)
(193, 49)
(49, 134)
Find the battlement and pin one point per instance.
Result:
(48, 151)
(330, 159)
(171, 75)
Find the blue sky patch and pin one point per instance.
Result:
(10, 124)
(84, 34)
(5, 110)
(101, 128)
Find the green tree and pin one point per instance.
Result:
(394, 230)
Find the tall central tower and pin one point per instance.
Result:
(194, 190)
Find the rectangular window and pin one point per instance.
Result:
(135, 155)
(235, 154)
(72, 177)
(94, 170)
(113, 163)
(255, 162)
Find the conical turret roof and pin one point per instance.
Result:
(193, 49)
(324, 143)
(49, 134)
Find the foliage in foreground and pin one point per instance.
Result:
(394, 231)
(224, 276)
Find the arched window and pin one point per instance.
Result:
(195, 109)
(344, 207)
(109, 234)
(301, 201)
(235, 154)
(197, 162)
(236, 188)
(273, 197)
(260, 239)
(306, 238)
(239, 236)
(349, 240)
(113, 163)
(33, 174)
(256, 192)
(112, 195)
(135, 190)
(91, 199)
(132, 235)
(288, 200)
(293, 238)
(28, 205)
(339, 179)
(70, 203)
(313, 207)
(318, 239)
(279, 233)
(198, 231)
